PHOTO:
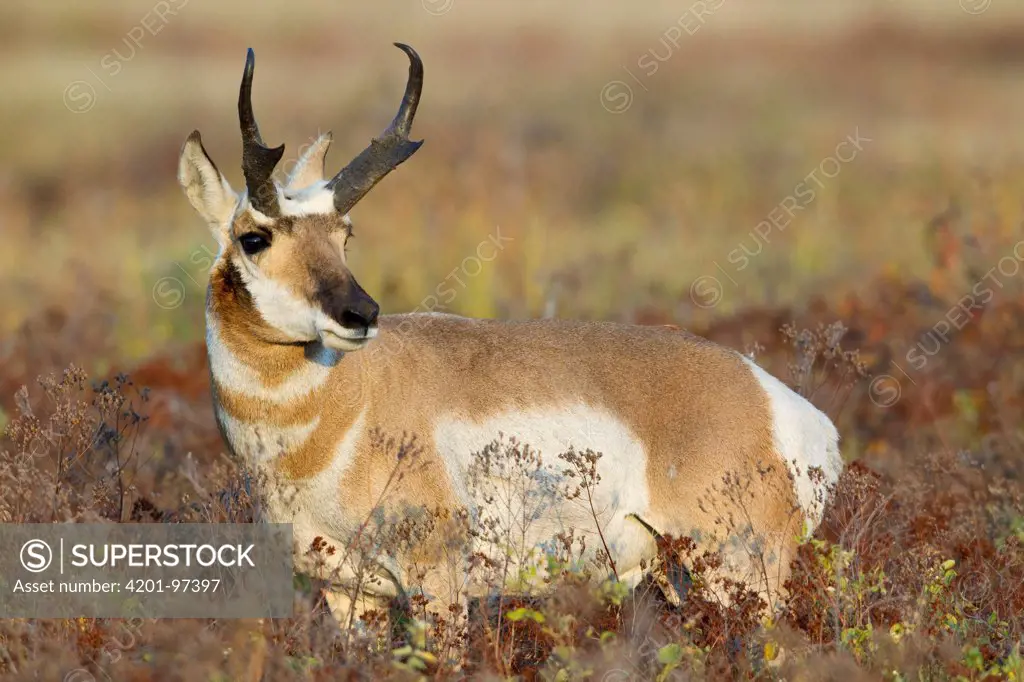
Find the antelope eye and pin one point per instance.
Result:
(253, 243)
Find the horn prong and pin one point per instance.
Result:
(385, 152)
(258, 160)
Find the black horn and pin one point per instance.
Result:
(386, 152)
(258, 160)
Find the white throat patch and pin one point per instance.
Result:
(234, 374)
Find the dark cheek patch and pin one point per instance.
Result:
(231, 284)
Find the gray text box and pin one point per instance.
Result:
(142, 570)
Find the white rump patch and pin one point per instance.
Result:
(623, 469)
(805, 438)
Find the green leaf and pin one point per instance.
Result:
(516, 615)
(670, 654)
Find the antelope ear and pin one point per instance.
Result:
(310, 166)
(206, 188)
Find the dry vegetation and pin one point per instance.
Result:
(918, 570)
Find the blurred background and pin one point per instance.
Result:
(723, 165)
(834, 185)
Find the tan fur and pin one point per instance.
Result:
(303, 249)
(305, 376)
(694, 405)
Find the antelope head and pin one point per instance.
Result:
(282, 247)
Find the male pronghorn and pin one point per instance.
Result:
(304, 371)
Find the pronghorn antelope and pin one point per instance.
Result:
(304, 371)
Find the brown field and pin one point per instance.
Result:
(637, 180)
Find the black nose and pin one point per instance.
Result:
(360, 314)
(348, 305)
